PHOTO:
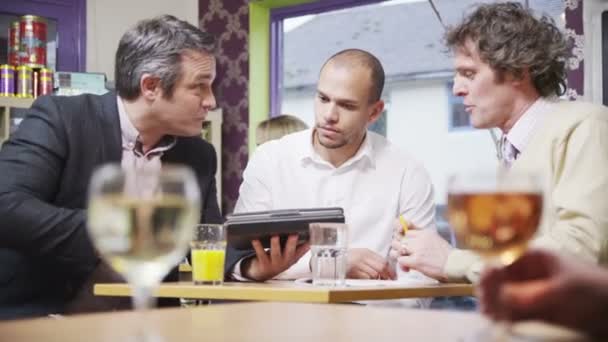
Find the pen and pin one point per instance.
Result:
(393, 263)
(404, 224)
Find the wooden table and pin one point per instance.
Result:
(287, 291)
(268, 322)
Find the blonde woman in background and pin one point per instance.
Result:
(277, 127)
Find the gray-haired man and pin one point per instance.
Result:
(164, 72)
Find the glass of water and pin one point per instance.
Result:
(328, 245)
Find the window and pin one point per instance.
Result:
(458, 118)
(424, 117)
(380, 125)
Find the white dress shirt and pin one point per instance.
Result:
(373, 187)
(522, 131)
(134, 159)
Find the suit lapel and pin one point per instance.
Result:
(173, 155)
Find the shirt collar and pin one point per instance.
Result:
(522, 131)
(307, 153)
(128, 131)
(130, 135)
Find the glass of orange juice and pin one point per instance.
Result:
(208, 252)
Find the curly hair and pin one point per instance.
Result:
(511, 40)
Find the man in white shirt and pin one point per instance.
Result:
(338, 163)
(509, 68)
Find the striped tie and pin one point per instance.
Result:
(509, 152)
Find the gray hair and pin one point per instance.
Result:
(155, 46)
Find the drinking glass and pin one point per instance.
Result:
(208, 251)
(328, 246)
(141, 222)
(495, 214)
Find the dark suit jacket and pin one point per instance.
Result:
(45, 167)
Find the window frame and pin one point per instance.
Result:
(277, 15)
(453, 100)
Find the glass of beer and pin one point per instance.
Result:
(495, 213)
(141, 222)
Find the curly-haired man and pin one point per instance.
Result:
(509, 70)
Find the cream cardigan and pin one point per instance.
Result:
(570, 150)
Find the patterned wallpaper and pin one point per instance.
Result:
(229, 22)
(574, 32)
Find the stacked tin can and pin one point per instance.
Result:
(45, 84)
(7, 80)
(32, 41)
(26, 75)
(13, 43)
(24, 82)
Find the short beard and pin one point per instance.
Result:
(336, 145)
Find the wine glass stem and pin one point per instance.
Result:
(143, 298)
(143, 301)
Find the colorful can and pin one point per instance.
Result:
(46, 82)
(24, 81)
(32, 36)
(13, 43)
(7, 80)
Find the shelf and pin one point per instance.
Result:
(15, 102)
(6, 103)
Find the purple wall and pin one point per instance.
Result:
(71, 27)
(229, 22)
(574, 31)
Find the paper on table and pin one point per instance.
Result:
(374, 282)
(411, 278)
(358, 282)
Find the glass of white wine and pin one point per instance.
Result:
(495, 214)
(142, 222)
